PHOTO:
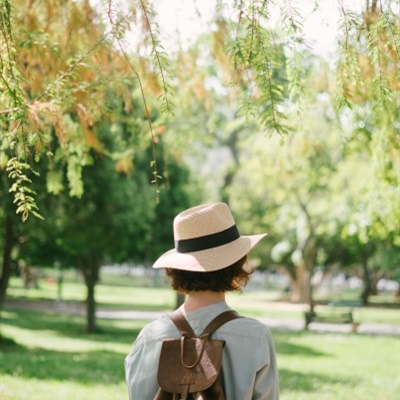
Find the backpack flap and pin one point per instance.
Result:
(189, 364)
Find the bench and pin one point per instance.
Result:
(335, 313)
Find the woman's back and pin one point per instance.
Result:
(208, 260)
(249, 364)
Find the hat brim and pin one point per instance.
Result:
(211, 259)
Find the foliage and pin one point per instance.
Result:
(386, 259)
(55, 85)
(313, 195)
(115, 220)
(368, 84)
(48, 74)
(61, 86)
(23, 198)
(255, 55)
(326, 172)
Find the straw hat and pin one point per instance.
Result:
(206, 239)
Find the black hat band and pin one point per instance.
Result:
(208, 241)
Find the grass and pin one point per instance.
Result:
(48, 355)
(45, 355)
(130, 297)
(331, 366)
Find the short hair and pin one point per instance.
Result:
(230, 278)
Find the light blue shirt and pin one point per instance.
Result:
(249, 362)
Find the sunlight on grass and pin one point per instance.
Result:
(18, 388)
(52, 356)
(57, 340)
(124, 297)
(46, 290)
(253, 303)
(49, 352)
(332, 367)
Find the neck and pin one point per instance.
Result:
(197, 300)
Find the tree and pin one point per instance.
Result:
(312, 190)
(56, 94)
(57, 91)
(39, 95)
(109, 224)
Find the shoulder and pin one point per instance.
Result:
(152, 335)
(248, 343)
(250, 333)
(248, 327)
(158, 329)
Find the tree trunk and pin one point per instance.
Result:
(310, 257)
(90, 271)
(309, 254)
(301, 287)
(9, 242)
(366, 279)
(308, 290)
(91, 307)
(302, 290)
(297, 286)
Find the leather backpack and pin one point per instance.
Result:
(190, 367)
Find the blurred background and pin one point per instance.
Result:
(116, 116)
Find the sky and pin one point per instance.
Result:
(186, 19)
(320, 27)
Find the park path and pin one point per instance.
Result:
(295, 325)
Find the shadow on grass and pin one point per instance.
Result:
(46, 304)
(108, 368)
(88, 367)
(72, 326)
(295, 381)
(284, 345)
(8, 343)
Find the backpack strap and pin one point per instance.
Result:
(181, 323)
(186, 330)
(218, 321)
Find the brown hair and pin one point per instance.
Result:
(231, 278)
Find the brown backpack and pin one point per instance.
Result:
(189, 367)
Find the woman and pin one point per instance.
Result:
(209, 259)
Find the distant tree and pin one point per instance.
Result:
(48, 74)
(115, 221)
(57, 92)
(109, 223)
(312, 191)
(386, 261)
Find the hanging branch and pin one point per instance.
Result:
(116, 26)
(16, 142)
(348, 66)
(61, 77)
(161, 61)
(16, 138)
(24, 196)
(255, 53)
(293, 67)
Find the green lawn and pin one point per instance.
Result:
(128, 296)
(47, 356)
